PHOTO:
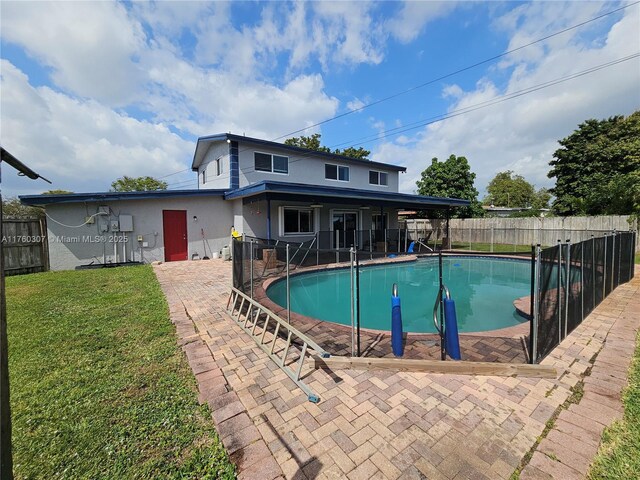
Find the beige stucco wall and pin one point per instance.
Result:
(72, 245)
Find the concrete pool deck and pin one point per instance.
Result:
(398, 424)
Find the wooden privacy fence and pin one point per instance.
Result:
(521, 231)
(24, 245)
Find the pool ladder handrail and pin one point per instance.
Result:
(447, 294)
(252, 313)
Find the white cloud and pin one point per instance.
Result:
(522, 134)
(414, 16)
(80, 144)
(90, 46)
(355, 104)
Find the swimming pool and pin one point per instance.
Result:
(483, 288)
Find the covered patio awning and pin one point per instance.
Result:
(266, 190)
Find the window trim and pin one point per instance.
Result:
(314, 217)
(379, 172)
(338, 167)
(272, 165)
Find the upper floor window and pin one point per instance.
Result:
(204, 175)
(336, 172)
(378, 178)
(265, 162)
(218, 166)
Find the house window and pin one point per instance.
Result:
(378, 178)
(218, 167)
(336, 172)
(204, 175)
(265, 162)
(297, 221)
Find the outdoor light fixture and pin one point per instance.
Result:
(195, 219)
(315, 205)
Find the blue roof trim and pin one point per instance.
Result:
(197, 159)
(115, 196)
(319, 190)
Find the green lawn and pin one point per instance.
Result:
(99, 388)
(486, 247)
(619, 454)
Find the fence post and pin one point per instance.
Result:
(317, 248)
(251, 268)
(593, 270)
(604, 269)
(406, 238)
(352, 281)
(567, 288)
(288, 288)
(558, 291)
(535, 285)
(370, 245)
(584, 244)
(619, 259)
(632, 249)
(357, 305)
(385, 240)
(613, 260)
(492, 239)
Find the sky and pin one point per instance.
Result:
(91, 91)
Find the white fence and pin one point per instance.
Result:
(521, 231)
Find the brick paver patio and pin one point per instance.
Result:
(397, 424)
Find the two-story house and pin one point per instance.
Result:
(263, 189)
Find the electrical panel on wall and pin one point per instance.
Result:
(126, 223)
(103, 218)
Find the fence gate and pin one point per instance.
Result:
(24, 245)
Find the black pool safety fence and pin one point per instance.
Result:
(256, 261)
(569, 280)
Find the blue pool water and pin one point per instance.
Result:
(483, 289)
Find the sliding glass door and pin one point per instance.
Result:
(344, 225)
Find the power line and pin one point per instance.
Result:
(468, 109)
(174, 173)
(448, 75)
(429, 82)
(487, 103)
(464, 69)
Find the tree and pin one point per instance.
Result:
(509, 190)
(137, 184)
(541, 199)
(12, 207)
(596, 158)
(313, 143)
(310, 143)
(56, 192)
(452, 178)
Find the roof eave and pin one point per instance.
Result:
(41, 200)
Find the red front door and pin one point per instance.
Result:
(174, 229)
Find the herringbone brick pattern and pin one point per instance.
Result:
(368, 424)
